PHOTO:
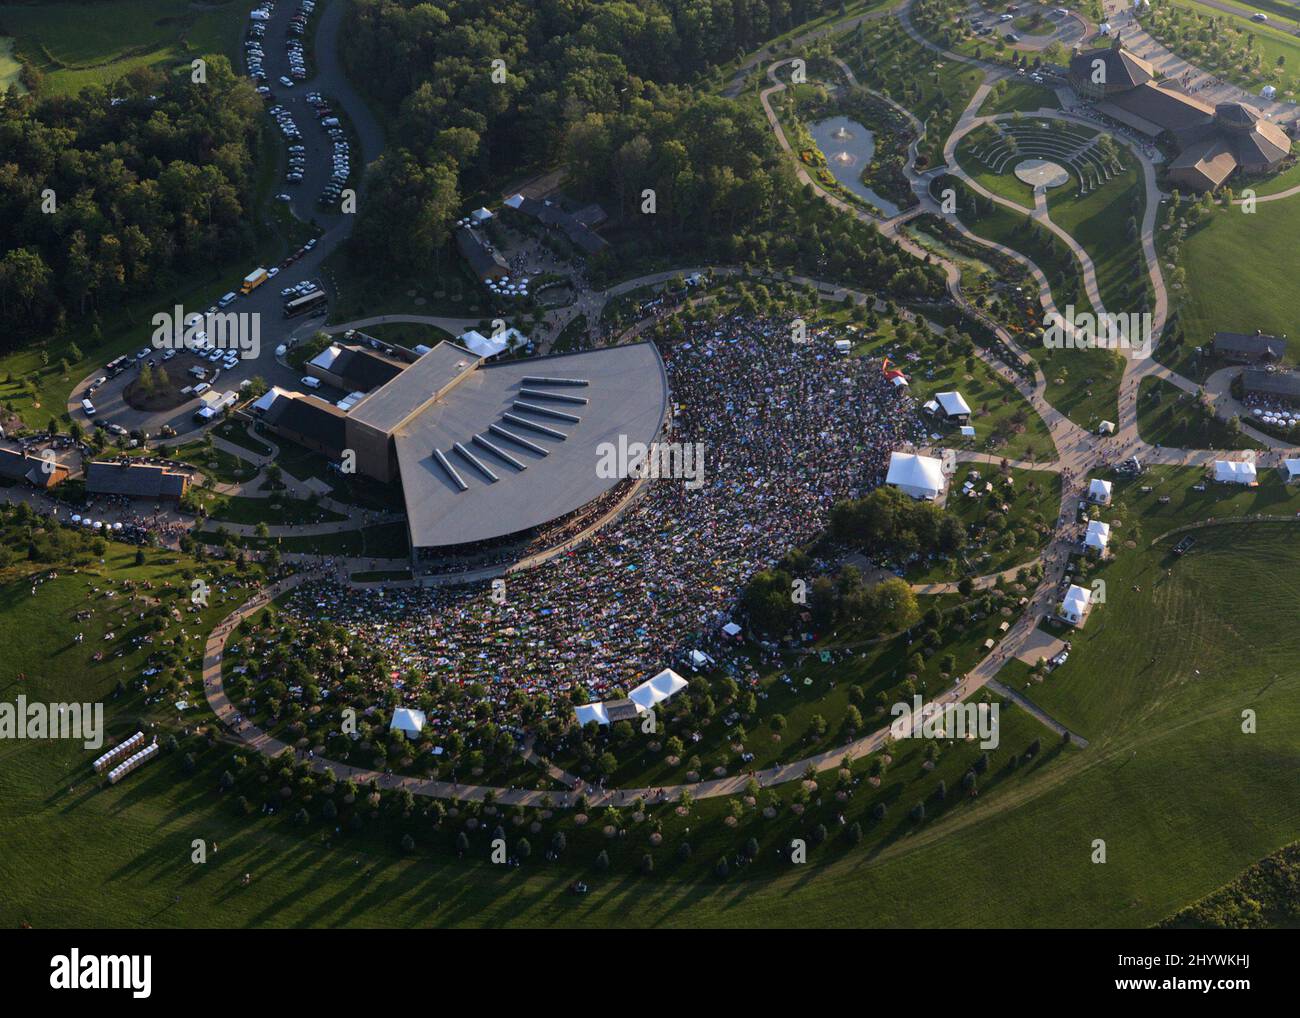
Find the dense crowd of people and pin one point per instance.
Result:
(788, 429)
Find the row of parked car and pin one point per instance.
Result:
(342, 154)
(300, 289)
(254, 56)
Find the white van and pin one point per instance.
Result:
(89, 407)
(227, 300)
(310, 382)
(201, 388)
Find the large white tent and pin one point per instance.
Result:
(1097, 536)
(1076, 605)
(952, 404)
(409, 722)
(1099, 490)
(918, 476)
(1234, 472)
(588, 712)
(655, 690)
(1290, 470)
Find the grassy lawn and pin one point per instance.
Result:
(1143, 517)
(1099, 221)
(806, 690)
(847, 12)
(236, 432)
(1082, 383)
(1104, 696)
(275, 510)
(1010, 96)
(218, 464)
(10, 68)
(1182, 798)
(79, 44)
(383, 540)
(1168, 416)
(1004, 422)
(1226, 44)
(1004, 185)
(1012, 538)
(1237, 276)
(572, 337)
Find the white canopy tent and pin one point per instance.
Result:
(1290, 470)
(407, 721)
(667, 683)
(1097, 535)
(953, 405)
(731, 629)
(1099, 490)
(484, 346)
(1076, 605)
(1106, 428)
(1234, 472)
(967, 431)
(264, 401)
(915, 475)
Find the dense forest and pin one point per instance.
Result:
(602, 88)
(115, 194)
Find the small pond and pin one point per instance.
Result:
(848, 147)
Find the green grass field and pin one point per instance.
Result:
(1184, 800)
(1168, 416)
(1238, 279)
(1207, 48)
(1099, 221)
(1022, 96)
(78, 44)
(1015, 537)
(10, 68)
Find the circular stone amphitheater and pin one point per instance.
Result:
(1042, 173)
